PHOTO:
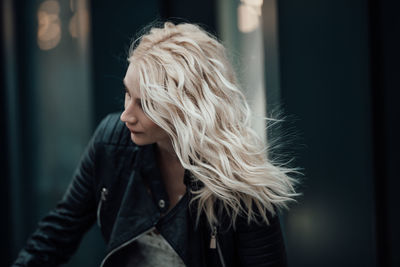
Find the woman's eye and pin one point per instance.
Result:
(126, 91)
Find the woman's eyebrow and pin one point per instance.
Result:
(125, 87)
(127, 90)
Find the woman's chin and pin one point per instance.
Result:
(138, 139)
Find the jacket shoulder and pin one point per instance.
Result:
(112, 131)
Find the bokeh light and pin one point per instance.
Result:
(249, 13)
(49, 25)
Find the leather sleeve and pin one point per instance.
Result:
(61, 230)
(260, 245)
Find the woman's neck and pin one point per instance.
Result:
(166, 152)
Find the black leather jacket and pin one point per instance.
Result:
(109, 186)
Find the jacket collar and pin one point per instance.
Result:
(148, 168)
(146, 163)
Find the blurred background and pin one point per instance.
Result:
(331, 66)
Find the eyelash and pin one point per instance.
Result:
(127, 92)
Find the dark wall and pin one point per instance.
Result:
(5, 224)
(113, 26)
(385, 56)
(17, 122)
(337, 79)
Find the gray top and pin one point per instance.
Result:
(154, 251)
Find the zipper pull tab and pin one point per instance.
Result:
(213, 240)
(104, 193)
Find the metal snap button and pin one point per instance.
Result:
(161, 203)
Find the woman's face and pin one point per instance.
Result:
(143, 130)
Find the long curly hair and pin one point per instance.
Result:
(188, 88)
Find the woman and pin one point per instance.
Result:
(179, 178)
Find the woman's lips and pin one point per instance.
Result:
(134, 132)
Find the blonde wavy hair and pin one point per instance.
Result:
(188, 88)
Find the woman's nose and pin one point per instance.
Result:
(128, 115)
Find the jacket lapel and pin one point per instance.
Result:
(137, 212)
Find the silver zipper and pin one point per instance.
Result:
(221, 257)
(125, 244)
(103, 197)
(215, 245)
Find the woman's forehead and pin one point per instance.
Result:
(132, 74)
(131, 79)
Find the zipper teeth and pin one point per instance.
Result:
(98, 213)
(221, 257)
(125, 244)
(103, 195)
(214, 235)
